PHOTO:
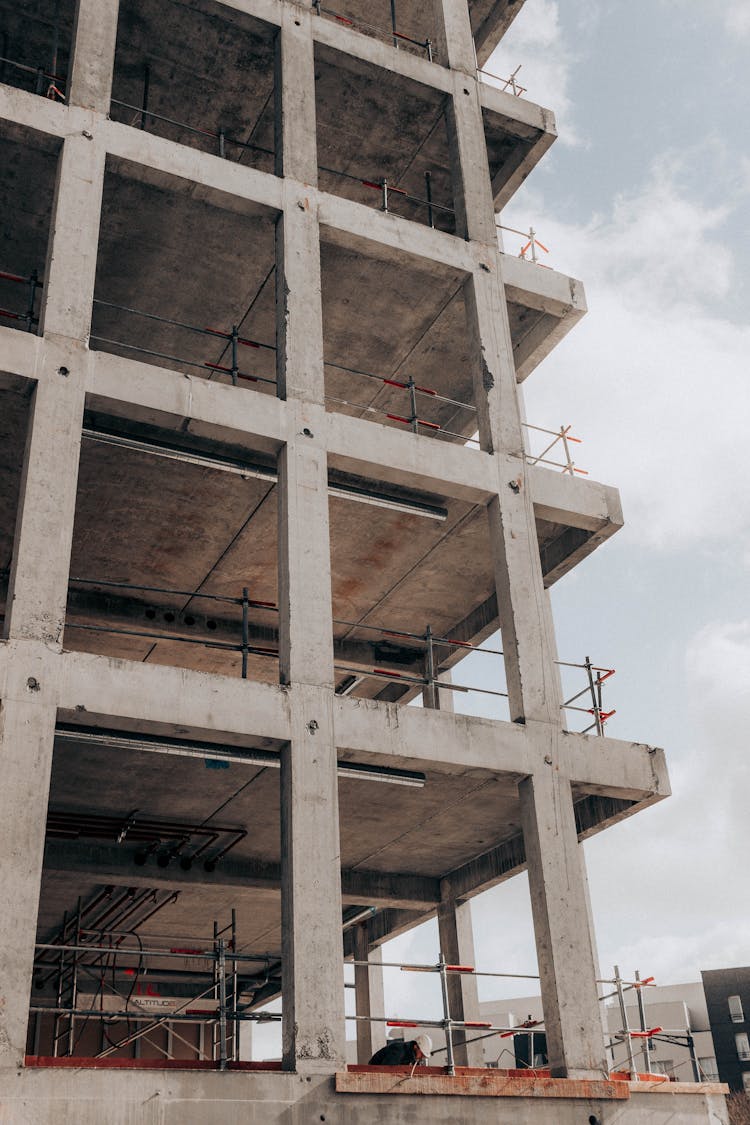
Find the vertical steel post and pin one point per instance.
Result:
(447, 1022)
(594, 700)
(693, 1057)
(429, 659)
(413, 403)
(146, 87)
(222, 143)
(235, 992)
(61, 970)
(55, 41)
(384, 186)
(235, 364)
(644, 1027)
(532, 234)
(40, 80)
(244, 651)
(215, 990)
(428, 48)
(566, 447)
(74, 981)
(222, 1005)
(625, 1027)
(393, 23)
(428, 193)
(33, 283)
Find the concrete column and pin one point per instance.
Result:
(74, 236)
(299, 325)
(457, 946)
(44, 529)
(565, 948)
(38, 583)
(527, 639)
(472, 188)
(312, 949)
(296, 142)
(27, 725)
(94, 36)
(454, 38)
(369, 996)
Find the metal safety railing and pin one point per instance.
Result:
(415, 394)
(392, 34)
(457, 1032)
(184, 621)
(219, 138)
(447, 1023)
(507, 85)
(592, 691)
(391, 194)
(427, 655)
(644, 1037)
(531, 244)
(233, 342)
(32, 284)
(562, 436)
(45, 82)
(430, 650)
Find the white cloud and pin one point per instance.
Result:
(687, 854)
(737, 18)
(536, 43)
(655, 377)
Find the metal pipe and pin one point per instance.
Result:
(144, 100)
(428, 193)
(644, 1026)
(222, 1005)
(625, 1026)
(448, 1023)
(245, 634)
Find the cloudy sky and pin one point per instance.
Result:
(646, 197)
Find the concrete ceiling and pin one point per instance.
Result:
(393, 830)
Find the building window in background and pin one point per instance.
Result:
(708, 1069)
(735, 1009)
(743, 1045)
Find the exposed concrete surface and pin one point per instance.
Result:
(342, 300)
(37, 1097)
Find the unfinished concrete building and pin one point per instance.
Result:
(253, 316)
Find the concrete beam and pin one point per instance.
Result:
(19, 353)
(109, 863)
(168, 699)
(359, 227)
(155, 395)
(496, 23)
(396, 457)
(358, 46)
(167, 164)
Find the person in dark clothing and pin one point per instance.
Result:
(400, 1052)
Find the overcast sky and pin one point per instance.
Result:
(645, 196)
